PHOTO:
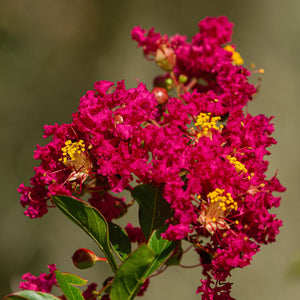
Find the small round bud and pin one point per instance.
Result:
(118, 119)
(84, 258)
(183, 78)
(165, 58)
(161, 95)
(169, 82)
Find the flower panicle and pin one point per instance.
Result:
(206, 156)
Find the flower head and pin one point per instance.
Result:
(214, 212)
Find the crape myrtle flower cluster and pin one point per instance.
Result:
(190, 135)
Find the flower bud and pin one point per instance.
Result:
(118, 119)
(165, 58)
(85, 258)
(161, 95)
(183, 78)
(169, 83)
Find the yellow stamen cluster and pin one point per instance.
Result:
(238, 165)
(224, 201)
(215, 210)
(236, 57)
(71, 150)
(207, 122)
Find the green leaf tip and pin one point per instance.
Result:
(90, 220)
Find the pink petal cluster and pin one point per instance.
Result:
(200, 146)
(135, 234)
(43, 283)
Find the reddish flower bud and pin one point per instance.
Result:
(166, 58)
(118, 119)
(85, 258)
(161, 95)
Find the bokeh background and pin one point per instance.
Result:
(52, 51)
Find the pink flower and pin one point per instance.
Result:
(205, 153)
(88, 293)
(43, 283)
(135, 234)
(110, 206)
(221, 292)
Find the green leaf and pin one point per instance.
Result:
(161, 247)
(154, 209)
(30, 295)
(119, 240)
(90, 220)
(65, 282)
(131, 274)
(175, 258)
(74, 279)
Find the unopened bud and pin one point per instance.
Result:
(166, 58)
(118, 119)
(85, 258)
(161, 95)
(183, 78)
(169, 82)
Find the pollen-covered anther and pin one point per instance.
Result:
(74, 156)
(237, 164)
(236, 57)
(71, 150)
(216, 209)
(205, 123)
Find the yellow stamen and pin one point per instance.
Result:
(215, 210)
(236, 57)
(74, 157)
(206, 123)
(238, 165)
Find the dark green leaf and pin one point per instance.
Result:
(175, 258)
(161, 247)
(90, 220)
(30, 295)
(131, 274)
(154, 209)
(65, 283)
(119, 240)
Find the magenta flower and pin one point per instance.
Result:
(43, 283)
(189, 136)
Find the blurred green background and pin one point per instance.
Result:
(52, 51)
